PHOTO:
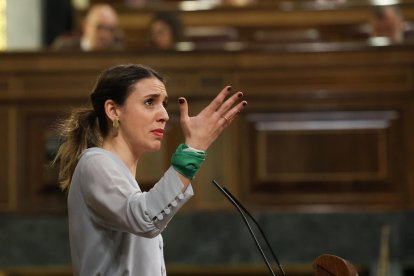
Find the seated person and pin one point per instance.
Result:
(387, 22)
(99, 32)
(165, 30)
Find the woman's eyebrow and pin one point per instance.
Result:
(155, 95)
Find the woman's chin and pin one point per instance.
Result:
(155, 147)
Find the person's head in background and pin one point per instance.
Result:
(388, 22)
(100, 28)
(165, 30)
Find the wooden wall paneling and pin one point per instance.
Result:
(325, 157)
(4, 87)
(347, 81)
(336, 57)
(408, 144)
(54, 86)
(178, 82)
(376, 80)
(37, 180)
(8, 200)
(4, 156)
(321, 55)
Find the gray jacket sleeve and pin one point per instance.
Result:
(115, 200)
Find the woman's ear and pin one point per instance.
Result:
(111, 110)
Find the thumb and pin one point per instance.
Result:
(183, 108)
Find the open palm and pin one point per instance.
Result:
(202, 130)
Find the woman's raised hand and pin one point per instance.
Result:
(203, 129)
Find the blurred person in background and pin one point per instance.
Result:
(165, 30)
(387, 21)
(100, 31)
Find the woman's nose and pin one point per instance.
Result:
(163, 115)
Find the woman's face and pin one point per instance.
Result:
(161, 35)
(143, 116)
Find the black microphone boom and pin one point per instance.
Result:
(260, 229)
(242, 210)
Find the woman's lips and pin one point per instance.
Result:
(158, 132)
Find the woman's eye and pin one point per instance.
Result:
(165, 104)
(149, 102)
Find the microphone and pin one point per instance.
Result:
(243, 211)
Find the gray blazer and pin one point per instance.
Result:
(114, 227)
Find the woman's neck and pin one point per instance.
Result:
(123, 152)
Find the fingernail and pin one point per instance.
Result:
(228, 88)
(181, 100)
(244, 103)
(240, 95)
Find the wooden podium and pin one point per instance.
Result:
(331, 265)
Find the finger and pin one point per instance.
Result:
(232, 113)
(218, 100)
(183, 108)
(226, 120)
(229, 103)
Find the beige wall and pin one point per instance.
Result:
(24, 25)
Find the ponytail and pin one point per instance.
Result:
(79, 132)
(86, 127)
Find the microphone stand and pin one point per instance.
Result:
(242, 210)
(260, 229)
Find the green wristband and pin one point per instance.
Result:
(187, 162)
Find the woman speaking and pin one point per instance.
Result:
(114, 227)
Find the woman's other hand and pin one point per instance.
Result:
(203, 129)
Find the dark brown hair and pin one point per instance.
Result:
(87, 126)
